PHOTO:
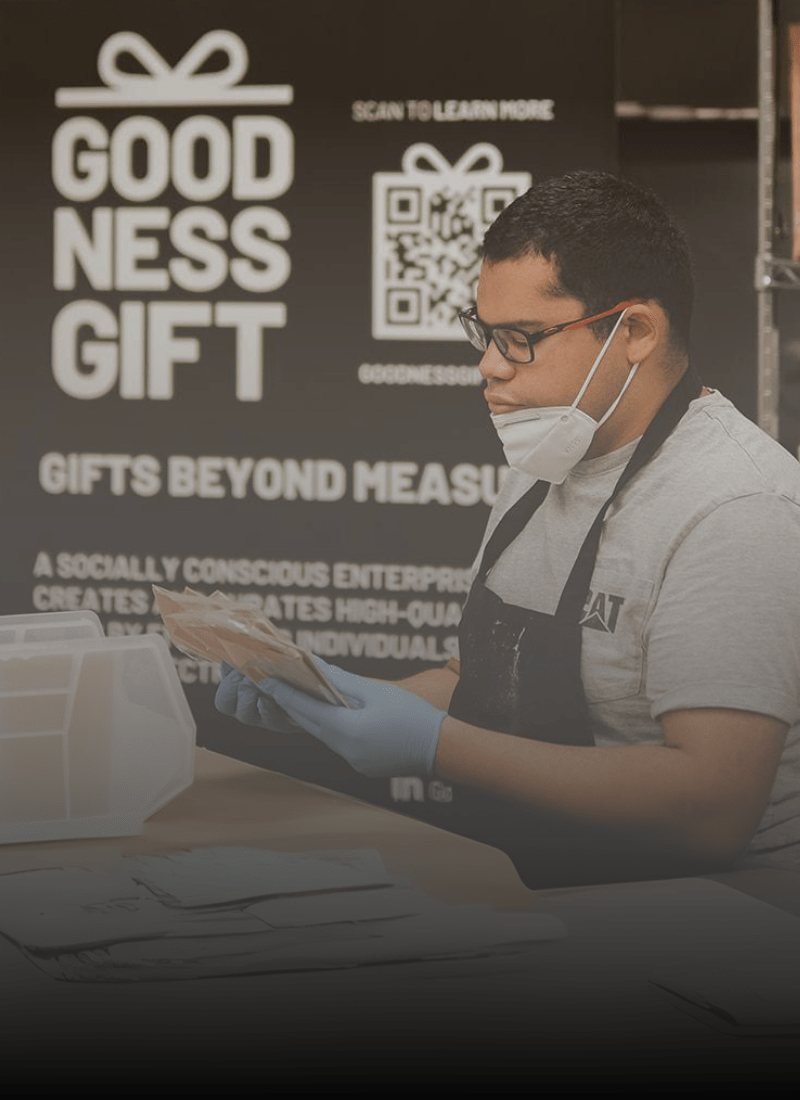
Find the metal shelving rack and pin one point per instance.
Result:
(773, 273)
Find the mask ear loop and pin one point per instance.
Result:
(597, 363)
(620, 395)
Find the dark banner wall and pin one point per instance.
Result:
(236, 237)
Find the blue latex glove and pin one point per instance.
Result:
(389, 732)
(238, 696)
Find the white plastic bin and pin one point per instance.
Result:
(49, 626)
(95, 732)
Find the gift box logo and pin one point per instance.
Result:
(428, 224)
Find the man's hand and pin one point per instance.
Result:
(388, 732)
(242, 699)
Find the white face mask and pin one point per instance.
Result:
(547, 443)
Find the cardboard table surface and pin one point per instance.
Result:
(579, 1010)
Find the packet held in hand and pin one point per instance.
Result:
(215, 628)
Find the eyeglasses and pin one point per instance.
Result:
(515, 344)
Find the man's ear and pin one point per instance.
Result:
(646, 328)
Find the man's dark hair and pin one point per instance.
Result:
(608, 239)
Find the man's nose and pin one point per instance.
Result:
(493, 365)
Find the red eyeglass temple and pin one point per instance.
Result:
(599, 316)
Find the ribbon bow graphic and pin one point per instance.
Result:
(162, 86)
(427, 158)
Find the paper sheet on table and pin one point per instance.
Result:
(748, 998)
(217, 911)
(71, 909)
(220, 876)
(144, 895)
(350, 905)
(445, 932)
(215, 628)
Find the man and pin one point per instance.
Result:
(630, 649)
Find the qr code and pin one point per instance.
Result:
(428, 228)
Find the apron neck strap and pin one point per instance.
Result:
(661, 426)
(511, 524)
(656, 433)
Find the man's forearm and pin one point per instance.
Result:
(688, 797)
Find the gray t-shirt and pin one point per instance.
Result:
(695, 597)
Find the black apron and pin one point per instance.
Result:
(520, 674)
